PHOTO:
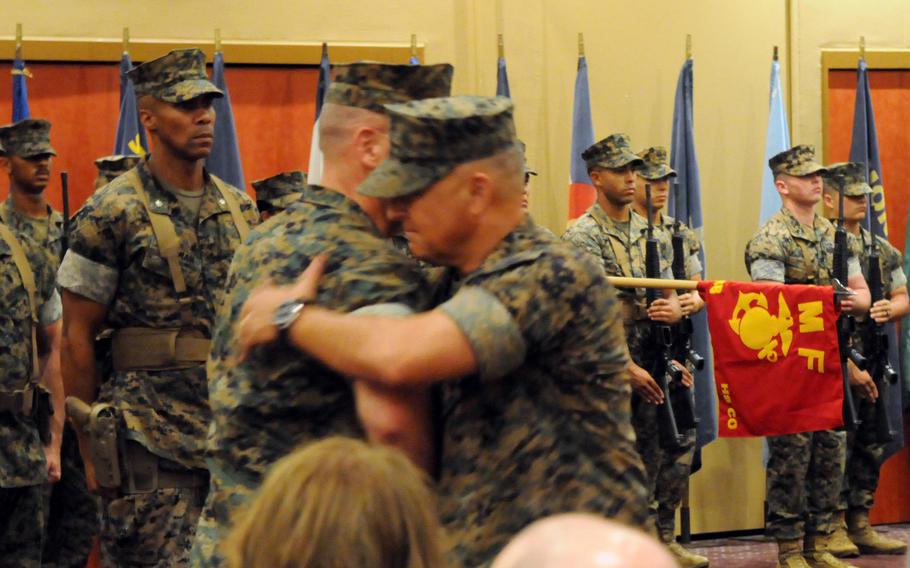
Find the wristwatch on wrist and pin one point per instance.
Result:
(287, 313)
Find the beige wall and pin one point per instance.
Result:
(634, 49)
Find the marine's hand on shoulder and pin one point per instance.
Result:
(256, 325)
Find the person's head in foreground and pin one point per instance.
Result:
(339, 503)
(582, 540)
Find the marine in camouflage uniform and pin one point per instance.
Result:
(804, 470)
(117, 275)
(540, 424)
(854, 533)
(275, 402)
(112, 167)
(71, 521)
(674, 463)
(23, 465)
(274, 194)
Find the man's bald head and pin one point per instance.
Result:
(582, 540)
(339, 125)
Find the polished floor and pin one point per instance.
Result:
(758, 552)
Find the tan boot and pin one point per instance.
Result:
(686, 558)
(790, 555)
(867, 539)
(817, 555)
(840, 544)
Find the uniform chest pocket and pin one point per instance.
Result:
(157, 267)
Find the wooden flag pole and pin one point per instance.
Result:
(414, 45)
(126, 40)
(501, 46)
(625, 282)
(688, 46)
(581, 44)
(862, 47)
(775, 53)
(217, 40)
(19, 41)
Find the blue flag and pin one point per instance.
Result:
(130, 138)
(20, 89)
(776, 141)
(224, 161)
(314, 173)
(864, 149)
(502, 79)
(685, 205)
(581, 189)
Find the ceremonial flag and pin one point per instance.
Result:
(864, 149)
(581, 190)
(777, 364)
(224, 161)
(684, 204)
(777, 140)
(20, 89)
(314, 174)
(130, 137)
(502, 79)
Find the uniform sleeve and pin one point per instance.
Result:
(765, 258)
(894, 263)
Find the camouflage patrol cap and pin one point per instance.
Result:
(797, 161)
(176, 77)
(614, 151)
(524, 155)
(372, 85)
(26, 138)
(430, 138)
(848, 177)
(110, 167)
(279, 191)
(655, 165)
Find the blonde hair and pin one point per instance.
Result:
(339, 503)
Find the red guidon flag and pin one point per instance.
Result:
(776, 361)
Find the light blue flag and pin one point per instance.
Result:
(20, 89)
(314, 171)
(776, 141)
(224, 161)
(502, 79)
(864, 149)
(130, 137)
(685, 205)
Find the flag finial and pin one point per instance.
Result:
(126, 40)
(862, 47)
(19, 40)
(775, 53)
(581, 44)
(501, 46)
(217, 39)
(413, 45)
(688, 46)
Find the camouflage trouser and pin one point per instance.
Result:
(804, 481)
(667, 469)
(864, 461)
(222, 502)
(72, 516)
(22, 513)
(150, 529)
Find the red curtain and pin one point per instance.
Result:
(273, 106)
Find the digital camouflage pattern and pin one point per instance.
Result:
(654, 165)
(176, 77)
(430, 138)
(22, 460)
(797, 161)
(691, 242)
(112, 230)
(277, 192)
(550, 431)
(805, 470)
(26, 138)
(22, 514)
(847, 177)
(279, 399)
(46, 232)
(864, 451)
(614, 151)
(112, 167)
(152, 529)
(372, 85)
(620, 249)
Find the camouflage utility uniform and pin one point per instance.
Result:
(272, 403)
(274, 194)
(23, 469)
